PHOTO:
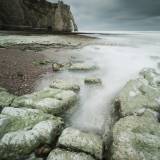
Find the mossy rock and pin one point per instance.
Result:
(80, 141)
(82, 67)
(137, 138)
(59, 154)
(23, 130)
(139, 94)
(93, 81)
(65, 85)
(5, 98)
(52, 101)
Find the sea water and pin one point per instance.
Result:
(119, 56)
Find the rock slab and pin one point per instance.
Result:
(80, 141)
(52, 101)
(59, 154)
(136, 135)
(22, 130)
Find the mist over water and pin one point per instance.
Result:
(119, 58)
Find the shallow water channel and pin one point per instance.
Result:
(119, 58)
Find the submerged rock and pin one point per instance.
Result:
(139, 94)
(53, 101)
(60, 84)
(136, 138)
(82, 67)
(80, 141)
(23, 130)
(5, 98)
(59, 154)
(93, 81)
(57, 66)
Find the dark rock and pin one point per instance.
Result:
(43, 151)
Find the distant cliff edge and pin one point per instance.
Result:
(36, 14)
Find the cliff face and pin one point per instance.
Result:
(37, 14)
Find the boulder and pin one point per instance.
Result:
(59, 154)
(20, 143)
(136, 138)
(136, 135)
(5, 98)
(23, 130)
(57, 66)
(80, 141)
(53, 101)
(82, 67)
(151, 76)
(139, 94)
(60, 84)
(93, 80)
(13, 119)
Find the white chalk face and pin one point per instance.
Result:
(118, 58)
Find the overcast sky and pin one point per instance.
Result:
(116, 14)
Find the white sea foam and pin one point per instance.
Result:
(120, 58)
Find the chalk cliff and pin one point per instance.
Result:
(36, 14)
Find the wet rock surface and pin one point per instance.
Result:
(136, 134)
(23, 130)
(29, 128)
(82, 67)
(140, 94)
(59, 154)
(53, 101)
(5, 98)
(91, 80)
(137, 137)
(60, 84)
(80, 141)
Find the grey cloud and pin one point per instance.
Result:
(116, 14)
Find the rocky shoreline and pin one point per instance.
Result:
(28, 123)
(136, 133)
(19, 78)
(33, 125)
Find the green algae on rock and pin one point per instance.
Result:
(53, 101)
(139, 94)
(59, 154)
(23, 130)
(21, 118)
(21, 143)
(136, 138)
(93, 80)
(136, 135)
(5, 98)
(81, 141)
(82, 67)
(60, 84)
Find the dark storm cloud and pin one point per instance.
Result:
(116, 14)
(142, 7)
